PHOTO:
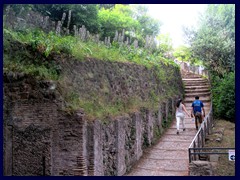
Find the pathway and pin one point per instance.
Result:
(169, 157)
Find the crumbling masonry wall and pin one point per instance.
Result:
(41, 139)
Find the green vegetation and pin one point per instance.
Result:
(18, 59)
(166, 43)
(48, 43)
(156, 134)
(167, 122)
(82, 14)
(40, 64)
(33, 52)
(213, 42)
(223, 90)
(116, 19)
(103, 19)
(182, 53)
(98, 107)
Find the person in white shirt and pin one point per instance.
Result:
(180, 109)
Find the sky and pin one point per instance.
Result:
(174, 16)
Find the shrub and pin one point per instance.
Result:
(224, 96)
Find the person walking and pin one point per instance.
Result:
(197, 108)
(180, 115)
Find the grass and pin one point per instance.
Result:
(224, 167)
(99, 108)
(32, 56)
(46, 43)
(38, 71)
(49, 42)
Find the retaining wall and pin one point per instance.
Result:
(42, 139)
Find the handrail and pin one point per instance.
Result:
(201, 134)
(205, 127)
(206, 119)
(196, 145)
(211, 148)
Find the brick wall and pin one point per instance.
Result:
(41, 139)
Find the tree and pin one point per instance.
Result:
(182, 53)
(223, 90)
(148, 25)
(18, 8)
(116, 19)
(107, 6)
(82, 14)
(134, 19)
(214, 41)
(165, 43)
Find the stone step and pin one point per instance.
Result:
(192, 77)
(200, 94)
(195, 79)
(199, 80)
(196, 90)
(196, 83)
(202, 98)
(188, 74)
(187, 87)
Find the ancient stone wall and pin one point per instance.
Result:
(42, 139)
(39, 139)
(116, 80)
(119, 142)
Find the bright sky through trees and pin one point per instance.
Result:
(174, 16)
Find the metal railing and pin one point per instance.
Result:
(197, 145)
(213, 150)
(206, 126)
(199, 139)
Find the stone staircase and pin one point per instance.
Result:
(169, 157)
(196, 85)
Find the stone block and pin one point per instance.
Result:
(200, 168)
